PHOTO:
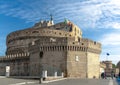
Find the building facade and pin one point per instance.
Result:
(108, 69)
(50, 49)
(102, 67)
(118, 66)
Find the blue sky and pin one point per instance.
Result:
(99, 20)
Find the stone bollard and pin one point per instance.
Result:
(55, 74)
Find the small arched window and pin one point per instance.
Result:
(60, 33)
(35, 32)
(41, 54)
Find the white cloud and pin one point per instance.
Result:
(111, 44)
(116, 25)
(115, 2)
(105, 14)
(89, 13)
(94, 13)
(111, 39)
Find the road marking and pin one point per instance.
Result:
(22, 83)
(54, 80)
(110, 82)
(18, 83)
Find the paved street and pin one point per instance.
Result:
(85, 82)
(10, 81)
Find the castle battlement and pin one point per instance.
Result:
(62, 43)
(91, 43)
(14, 56)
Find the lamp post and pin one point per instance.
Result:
(40, 66)
(40, 80)
(107, 56)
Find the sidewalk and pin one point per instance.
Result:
(2, 76)
(45, 82)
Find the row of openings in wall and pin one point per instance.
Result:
(30, 37)
(60, 33)
(59, 48)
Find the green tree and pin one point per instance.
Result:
(113, 66)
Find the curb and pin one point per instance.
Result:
(54, 80)
(2, 76)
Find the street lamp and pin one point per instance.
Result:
(107, 56)
(40, 66)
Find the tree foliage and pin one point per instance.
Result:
(113, 65)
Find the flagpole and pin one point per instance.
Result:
(107, 56)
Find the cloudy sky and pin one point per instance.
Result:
(98, 19)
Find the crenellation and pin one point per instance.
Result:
(94, 44)
(56, 47)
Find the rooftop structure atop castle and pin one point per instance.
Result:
(45, 23)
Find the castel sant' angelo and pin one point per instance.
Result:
(50, 49)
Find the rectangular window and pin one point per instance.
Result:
(76, 58)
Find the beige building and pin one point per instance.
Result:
(108, 69)
(50, 49)
(102, 67)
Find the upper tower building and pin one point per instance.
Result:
(17, 42)
(45, 23)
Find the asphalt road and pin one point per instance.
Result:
(11, 81)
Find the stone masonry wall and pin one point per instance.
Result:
(93, 69)
(51, 61)
(3, 68)
(76, 66)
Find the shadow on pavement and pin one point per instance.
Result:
(118, 81)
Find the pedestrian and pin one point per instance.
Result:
(102, 75)
(112, 74)
(105, 76)
(119, 75)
